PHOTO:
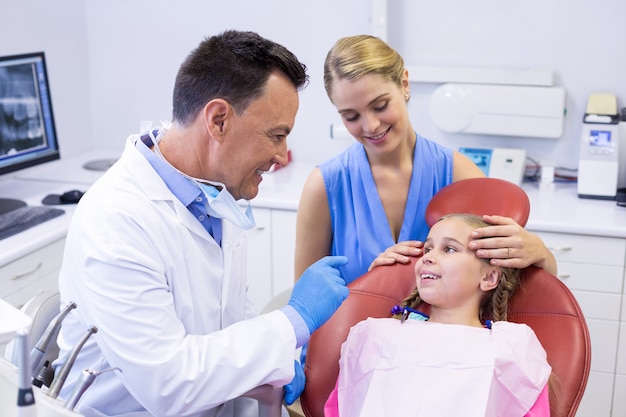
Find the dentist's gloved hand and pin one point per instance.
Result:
(320, 291)
(296, 386)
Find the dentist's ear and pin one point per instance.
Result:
(216, 114)
(490, 280)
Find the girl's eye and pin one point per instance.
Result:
(426, 250)
(449, 249)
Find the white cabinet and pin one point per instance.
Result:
(283, 249)
(271, 252)
(593, 268)
(259, 263)
(619, 399)
(28, 276)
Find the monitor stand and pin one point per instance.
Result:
(10, 204)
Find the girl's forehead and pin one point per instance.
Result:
(451, 224)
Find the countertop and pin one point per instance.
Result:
(281, 189)
(32, 185)
(561, 210)
(552, 210)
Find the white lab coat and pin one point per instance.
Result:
(168, 302)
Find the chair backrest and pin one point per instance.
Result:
(480, 196)
(542, 302)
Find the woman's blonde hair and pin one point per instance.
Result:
(495, 303)
(355, 56)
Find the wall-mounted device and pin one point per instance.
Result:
(499, 109)
(504, 163)
(598, 166)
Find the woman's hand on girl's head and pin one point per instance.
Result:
(509, 245)
(399, 253)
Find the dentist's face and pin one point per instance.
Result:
(373, 110)
(258, 139)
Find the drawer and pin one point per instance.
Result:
(604, 338)
(48, 282)
(591, 277)
(585, 249)
(596, 305)
(619, 399)
(598, 395)
(621, 352)
(29, 269)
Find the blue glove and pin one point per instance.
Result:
(320, 291)
(296, 386)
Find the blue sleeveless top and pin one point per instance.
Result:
(360, 228)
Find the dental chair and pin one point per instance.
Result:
(543, 302)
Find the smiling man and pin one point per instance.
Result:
(155, 254)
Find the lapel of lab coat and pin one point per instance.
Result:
(156, 189)
(233, 248)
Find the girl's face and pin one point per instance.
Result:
(373, 110)
(449, 275)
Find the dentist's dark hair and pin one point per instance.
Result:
(234, 66)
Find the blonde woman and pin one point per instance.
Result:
(371, 198)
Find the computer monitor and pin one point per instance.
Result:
(27, 131)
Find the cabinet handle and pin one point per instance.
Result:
(22, 275)
(561, 248)
(259, 228)
(564, 276)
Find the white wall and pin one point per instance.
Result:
(580, 41)
(59, 29)
(112, 64)
(135, 49)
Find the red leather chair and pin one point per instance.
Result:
(542, 302)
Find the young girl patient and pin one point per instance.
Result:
(451, 362)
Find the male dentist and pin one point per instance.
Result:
(156, 252)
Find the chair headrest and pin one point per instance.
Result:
(480, 196)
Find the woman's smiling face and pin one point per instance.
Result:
(373, 110)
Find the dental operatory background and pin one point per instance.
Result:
(112, 64)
